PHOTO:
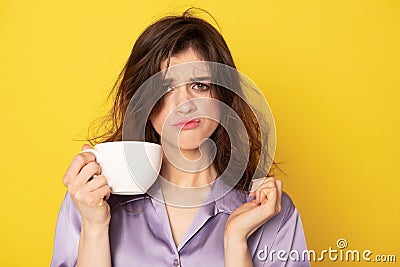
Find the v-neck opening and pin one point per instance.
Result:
(202, 215)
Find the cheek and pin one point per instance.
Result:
(212, 111)
(213, 126)
(154, 119)
(158, 120)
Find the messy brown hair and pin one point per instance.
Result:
(158, 42)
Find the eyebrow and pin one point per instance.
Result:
(192, 79)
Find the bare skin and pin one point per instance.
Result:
(181, 217)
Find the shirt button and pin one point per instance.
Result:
(175, 262)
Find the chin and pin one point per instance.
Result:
(189, 144)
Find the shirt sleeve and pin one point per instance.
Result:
(66, 239)
(281, 241)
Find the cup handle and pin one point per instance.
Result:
(94, 152)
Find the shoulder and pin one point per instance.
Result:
(288, 207)
(283, 233)
(287, 216)
(281, 227)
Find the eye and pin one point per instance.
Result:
(167, 87)
(201, 87)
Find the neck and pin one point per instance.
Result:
(188, 167)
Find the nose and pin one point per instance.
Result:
(184, 104)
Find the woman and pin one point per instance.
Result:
(95, 228)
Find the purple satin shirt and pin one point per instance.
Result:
(140, 234)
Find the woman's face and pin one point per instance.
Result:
(189, 113)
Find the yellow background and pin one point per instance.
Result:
(329, 69)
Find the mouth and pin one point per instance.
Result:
(188, 124)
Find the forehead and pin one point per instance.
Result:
(187, 72)
(187, 55)
(185, 66)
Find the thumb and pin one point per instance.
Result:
(85, 146)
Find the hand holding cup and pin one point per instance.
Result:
(89, 195)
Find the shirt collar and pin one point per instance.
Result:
(222, 197)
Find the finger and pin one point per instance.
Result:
(103, 193)
(93, 198)
(96, 183)
(265, 194)
(87, 172)
(269, 184)
(280, 186)
(79, 161)
(85, 146)
(257, 183)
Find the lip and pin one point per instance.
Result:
(188, 123)
(183, 122)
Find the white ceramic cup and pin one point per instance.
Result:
(130, 167)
